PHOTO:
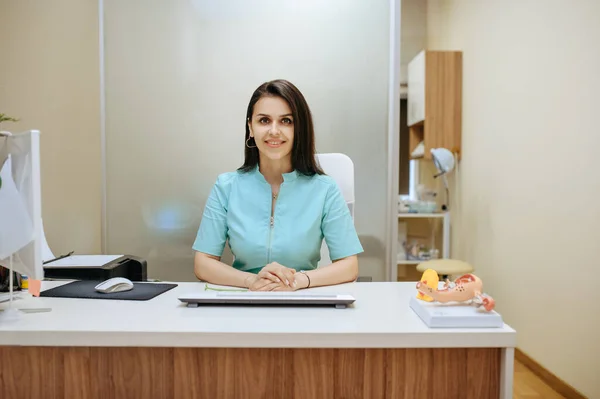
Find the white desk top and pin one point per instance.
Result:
(380, 318)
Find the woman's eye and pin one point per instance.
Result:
(287, 121)
(264, 120)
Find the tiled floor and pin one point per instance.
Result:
(529, 386)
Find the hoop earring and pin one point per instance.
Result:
(248, 141)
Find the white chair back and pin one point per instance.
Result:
(341, 169)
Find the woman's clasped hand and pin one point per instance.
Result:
(273, 277)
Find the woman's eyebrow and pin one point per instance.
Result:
(281, 116)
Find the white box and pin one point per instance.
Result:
(455, 315)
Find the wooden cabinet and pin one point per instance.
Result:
(435, 101)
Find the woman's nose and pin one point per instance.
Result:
(275, 128)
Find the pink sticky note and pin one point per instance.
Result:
(34, 287)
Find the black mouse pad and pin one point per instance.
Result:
(85, 289)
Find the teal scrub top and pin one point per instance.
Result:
(308, 209)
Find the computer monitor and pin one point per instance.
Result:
(23, 152)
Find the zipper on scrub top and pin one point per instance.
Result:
(271, 225)
(270, 238)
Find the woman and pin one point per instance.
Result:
(276, 209)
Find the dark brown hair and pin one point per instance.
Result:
(303, 148)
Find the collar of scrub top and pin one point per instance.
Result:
(287, 177)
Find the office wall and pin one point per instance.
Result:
(49, 79)
(530, 183)
(179, 75)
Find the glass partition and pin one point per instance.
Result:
(178, 77)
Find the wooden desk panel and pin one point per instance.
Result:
(150, 372)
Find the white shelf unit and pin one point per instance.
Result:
(445, 216)
(408, 262)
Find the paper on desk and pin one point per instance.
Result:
(46, 251)
(27, 304)
(83, 261)
(16, 226)
(5, 296)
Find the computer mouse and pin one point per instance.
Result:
(115, 284)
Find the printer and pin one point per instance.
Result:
(96, 267)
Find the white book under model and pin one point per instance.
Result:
(454, 315)
(195, 299)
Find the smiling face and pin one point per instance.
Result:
(279, 131)
(272, 127)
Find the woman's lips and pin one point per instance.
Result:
(274, 143)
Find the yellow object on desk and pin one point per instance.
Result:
(24, 282)
(432, 279)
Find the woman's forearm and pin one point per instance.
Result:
(210, 269)
(341, 271)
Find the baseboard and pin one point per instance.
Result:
(553, 381)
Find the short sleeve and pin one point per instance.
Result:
(212, 233)
(338, 227)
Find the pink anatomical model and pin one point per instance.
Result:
(465, 288)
